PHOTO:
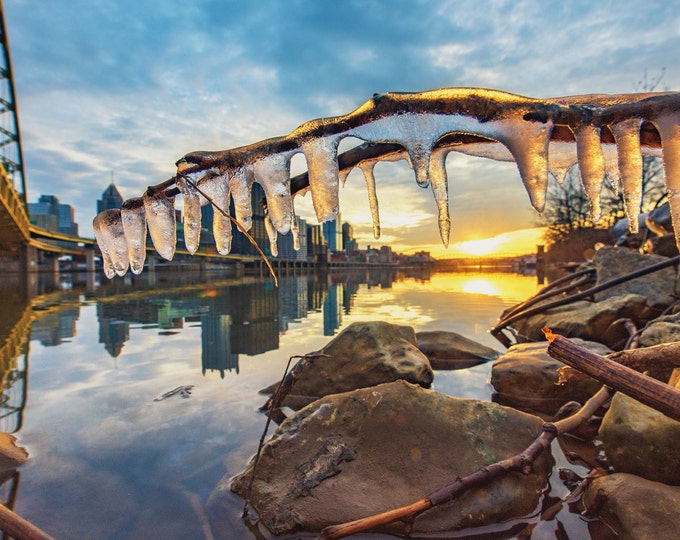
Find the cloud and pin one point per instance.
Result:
(131, 86)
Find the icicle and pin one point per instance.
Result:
(627, 136)
(591, 165)
(611, 167)
(440, 190)
(322, 167)
(192, 215)
(240, 183)
(273, 173)
(133, 216)
(221, 221)
(528, 143)
(561, 158)
(668, 126)
(160, 215)
(295, 231)
(343, 174)
(108, 229)
(272, 234)
(367, 167)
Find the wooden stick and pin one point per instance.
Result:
(662, 356)
(520, 462)
(644, 389)
(19, 528)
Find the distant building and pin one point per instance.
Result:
(287, 247)
(50, 214)
(111, 199)
(332, 232)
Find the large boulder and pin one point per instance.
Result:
(633, 507)
(363, 354)
(659, 220)
(640, 440)
(658, 287)
(448, 350)
(527, 377)
(351, 455)
(586, 320)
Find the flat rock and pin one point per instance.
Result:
(664, 329)
(658, 287)
(449, 350)
(363, 354)
(633, 507)
(351, 455)
(526, 376)
(587, 320)
(11, 454)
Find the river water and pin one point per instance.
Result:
(109, 462)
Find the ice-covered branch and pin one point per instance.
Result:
(605, 135)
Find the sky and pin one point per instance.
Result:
(122, 89)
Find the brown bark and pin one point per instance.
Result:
(644, 389)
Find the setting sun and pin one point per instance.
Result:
(480, 247)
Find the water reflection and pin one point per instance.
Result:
(91, 422)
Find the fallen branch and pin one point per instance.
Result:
(662, 356)
(521, 462)
(655, 394)
(19, 528)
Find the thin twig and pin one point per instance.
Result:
(238, 225)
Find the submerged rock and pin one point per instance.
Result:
(363, 354)
(351, 455)
(640, 440)
(587, 320)
(527, 377)
(658, 287)
(11, 454)
(448, 350)
(633, 507)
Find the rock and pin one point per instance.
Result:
(665, 246)
(658, 287)
(351, 455)
(448, 350)
(363, 354)
(587, 320)
(11, 455)
(633, 507)
(664, 329)
(526, 377)
(659, 220)
(640, 440)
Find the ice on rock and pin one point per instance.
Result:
(627, 136)
(323, 174)
(192, 215)
(133, 217)
(108, 230)
(272, 234)
(160, 216)
(591, 166)
(440, 190)
(668, 126)
(368, 169)
(273, 174)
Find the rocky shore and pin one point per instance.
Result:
(365, 432)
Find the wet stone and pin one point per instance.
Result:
(449, 350)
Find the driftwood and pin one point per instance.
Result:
(655, 394)
(521, 462)
(19, 528)
(497, 331)
(662, 356)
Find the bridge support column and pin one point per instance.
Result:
(53, 266)
(239, 269)
(89, 260)
(29, 256)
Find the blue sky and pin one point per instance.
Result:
(131, 86)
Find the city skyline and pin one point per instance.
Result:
(112, 88)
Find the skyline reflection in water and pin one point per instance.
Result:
(84, 363)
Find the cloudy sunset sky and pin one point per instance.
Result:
(131, 86)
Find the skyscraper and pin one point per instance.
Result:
(111, 199)
(50, 214)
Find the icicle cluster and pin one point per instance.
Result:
(604, 135)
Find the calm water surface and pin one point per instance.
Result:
(109, 462)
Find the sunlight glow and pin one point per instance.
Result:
(480, 247)
(481, 286)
